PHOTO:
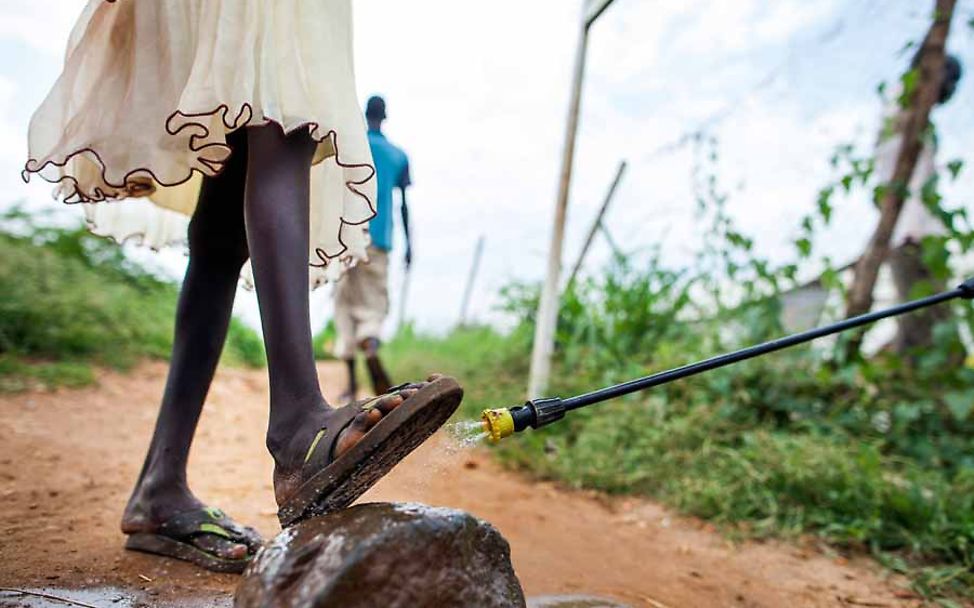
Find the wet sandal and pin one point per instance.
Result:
(332, 483)
(174, 538)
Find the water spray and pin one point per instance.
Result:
(504, 422)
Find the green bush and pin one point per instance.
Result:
(71, 300)
(244, 347)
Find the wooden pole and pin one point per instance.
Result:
(474, 269)
(597, 224)
(403, 295)
(931, 67)
(547, 319)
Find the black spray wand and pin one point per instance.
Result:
(501, 423)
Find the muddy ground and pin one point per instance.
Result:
(67, 460)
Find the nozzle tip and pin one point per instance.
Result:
(498, 423)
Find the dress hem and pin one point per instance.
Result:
(132, 187)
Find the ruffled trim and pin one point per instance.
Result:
(142, 181)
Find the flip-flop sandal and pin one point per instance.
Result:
(334, 483)
(174, 539)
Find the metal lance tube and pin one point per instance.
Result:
(504, 422)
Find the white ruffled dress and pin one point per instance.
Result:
(151, 89)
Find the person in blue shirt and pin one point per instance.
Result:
(362, 295)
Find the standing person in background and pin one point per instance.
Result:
(915, 223)
(362, 296)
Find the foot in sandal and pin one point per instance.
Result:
(341, 455)
(182, 528)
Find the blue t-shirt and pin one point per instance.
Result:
(392, 168)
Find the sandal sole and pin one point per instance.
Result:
(157, 544)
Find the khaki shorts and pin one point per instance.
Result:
(361, 303)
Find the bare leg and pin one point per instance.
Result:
(277, 216)
(377, 373)
(352, 390)
(217, 250)
(276, 209)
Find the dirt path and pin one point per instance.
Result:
(67, 460)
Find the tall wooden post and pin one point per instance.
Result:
(547, 319)
(468, 292)
(403, 296)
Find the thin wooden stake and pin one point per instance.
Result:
(403, 296)
(547, 319)
(471, 278)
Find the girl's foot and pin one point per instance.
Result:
(170, 521)
(338, 457)
(287, 478)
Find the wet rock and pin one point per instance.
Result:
(389, 555)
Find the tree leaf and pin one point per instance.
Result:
(847, 183)
(955, 167)
(960, 404)
(804, 247)
(824, 206)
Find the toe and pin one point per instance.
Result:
(252, 539)
(356, 430)
(220, 547)
(371, 418)
(363, 421)
(387, 403)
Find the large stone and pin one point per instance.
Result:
(385, 555)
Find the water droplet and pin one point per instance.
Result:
(466, 434)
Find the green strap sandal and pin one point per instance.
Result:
(330, 484)
(174, 539)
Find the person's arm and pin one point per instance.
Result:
(404, 182)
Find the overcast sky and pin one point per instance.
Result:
(477, 95)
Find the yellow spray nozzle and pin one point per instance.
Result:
(498, 423)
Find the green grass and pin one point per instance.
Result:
(71, 301)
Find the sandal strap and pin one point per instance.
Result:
(207, 520)
(320, 452)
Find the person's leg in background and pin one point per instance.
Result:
(345, 344)
(377, 372)
(371, 312)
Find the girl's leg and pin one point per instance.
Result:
(217, 250)
(276, 209)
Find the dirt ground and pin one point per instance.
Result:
(67, 460)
